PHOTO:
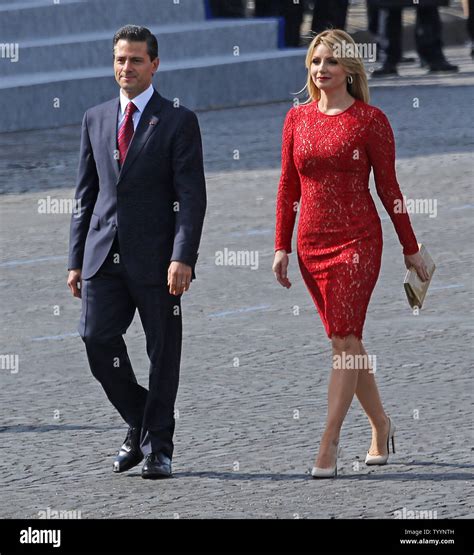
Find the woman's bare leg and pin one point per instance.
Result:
(368, 396)
(342, 387)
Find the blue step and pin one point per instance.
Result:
(86, 50)
(65, 58)
(201, 84)
(37, 19)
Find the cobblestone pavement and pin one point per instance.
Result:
(255, 369)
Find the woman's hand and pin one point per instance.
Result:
(416, 261)
(280, 268)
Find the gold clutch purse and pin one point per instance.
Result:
(414, 287)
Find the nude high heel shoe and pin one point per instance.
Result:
(382, 459)
(330, 472)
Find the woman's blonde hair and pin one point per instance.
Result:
(337, 39)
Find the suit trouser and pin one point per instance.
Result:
(428, 31)
(292, 13)
(329, 14)
(227, 8)
(109, 301)
(470, 20)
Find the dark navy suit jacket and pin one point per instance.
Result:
(156, 202)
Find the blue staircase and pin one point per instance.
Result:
(65, 58)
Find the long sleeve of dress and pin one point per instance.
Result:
(381, 153)
(289, 190)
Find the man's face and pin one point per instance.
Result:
(133, 68)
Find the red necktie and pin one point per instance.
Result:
(126, 131)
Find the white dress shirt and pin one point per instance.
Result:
(140, 102)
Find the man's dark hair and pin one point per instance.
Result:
(135, 33)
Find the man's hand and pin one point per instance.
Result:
(74, 279)
(179, 277)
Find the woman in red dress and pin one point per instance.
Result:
(330, 145)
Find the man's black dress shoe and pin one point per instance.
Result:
(130, 453)
(156, 465)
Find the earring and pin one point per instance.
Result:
(350, 79)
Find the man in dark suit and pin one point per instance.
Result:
(428, 35)
(329, 14)
(292, 12)
(134, 244)
(227, 8)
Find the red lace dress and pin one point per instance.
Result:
(326, 163)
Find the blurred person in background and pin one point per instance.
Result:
(291, 11)
(373, 27)
(329, 14)
(468, 8)
(428, 30)
(228, 8)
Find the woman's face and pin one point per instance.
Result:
(326, 71)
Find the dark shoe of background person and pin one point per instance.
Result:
(386, 70)
(442, 66)
(423, 62)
